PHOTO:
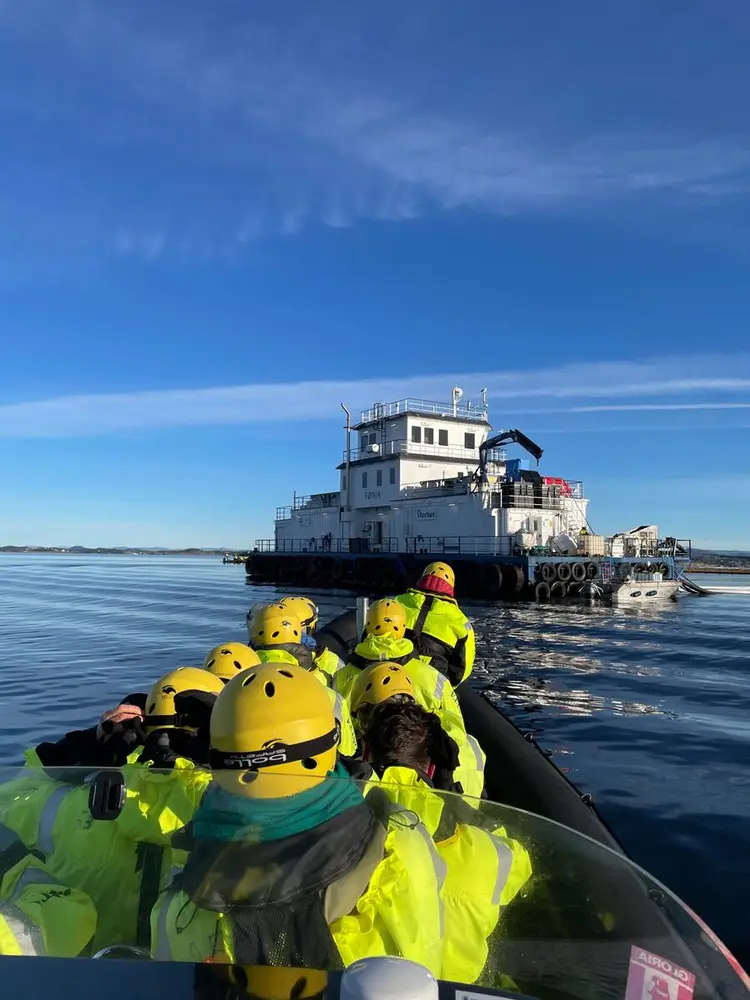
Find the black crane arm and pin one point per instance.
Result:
(503, 438)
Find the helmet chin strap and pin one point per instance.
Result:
(275, 753)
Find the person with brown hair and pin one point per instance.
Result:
(390, 682)
(485, 869)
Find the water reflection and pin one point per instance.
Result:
(647, 707)
(539, 694)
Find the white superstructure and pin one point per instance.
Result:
(415, 471)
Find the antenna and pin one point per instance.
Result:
(456, 393)
(484, 400)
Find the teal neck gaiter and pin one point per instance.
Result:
(226, 817)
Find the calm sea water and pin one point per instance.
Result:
(647, 710)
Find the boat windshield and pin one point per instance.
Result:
(193, 866)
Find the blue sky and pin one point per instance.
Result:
(219, 220)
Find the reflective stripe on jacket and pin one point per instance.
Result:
(440, 630)
(348, 744)
(470, 770)
(40, 916)
(103, 859)
(485, 871)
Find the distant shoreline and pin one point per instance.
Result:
(12, 550)
(728, 570)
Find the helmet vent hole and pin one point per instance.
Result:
(152, 708)
(226, 652)
(369, 687)
(386, 680)
(299, 989)
(286, 673)
(270, 689)
(274, 635)
(309, 763)
(237, 664)
(211, 662)
(249, 680)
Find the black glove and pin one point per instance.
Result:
(194, 708)
(76, 749)
(129, 733)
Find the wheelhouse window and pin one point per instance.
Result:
(343, 481)
(416, 435)
(392, 475)
(429, 435)
(469, 440)
(364, 480)
(379, 477)
(443, 437)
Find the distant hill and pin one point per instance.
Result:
(83, 550)
(728, 560)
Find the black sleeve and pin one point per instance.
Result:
(75, 748)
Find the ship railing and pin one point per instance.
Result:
(401, 447)
(465, 411)
(311, 502)
(324, 544)
(550, 496)
(434, 489)
(457, 545)
(531, 500)
(633, 547)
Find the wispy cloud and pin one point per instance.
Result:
(659, 407)
(96, 414)
(263, 123)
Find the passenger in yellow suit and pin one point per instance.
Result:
(41, 916)
(485, 869)
(230, 658)
(307, 611)
(276, 636)
(437, 626)
(119, 864)
(384, 641)
(463, 759)
(290, 865)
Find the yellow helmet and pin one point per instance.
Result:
(268, 982)
(379, 683)
(302, 608)
(386, 617)
(257, 609)
(227, 660)
(273, 732)
(274, 626)
(161, 712)
(263, 982)
(441, 570)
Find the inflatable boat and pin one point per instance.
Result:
(587, 925)
(518, 773)
(621, 900)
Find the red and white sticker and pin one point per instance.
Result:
(651, 977)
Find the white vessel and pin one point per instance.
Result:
(421, 478)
